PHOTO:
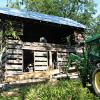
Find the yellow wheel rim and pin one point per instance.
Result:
(97, 81)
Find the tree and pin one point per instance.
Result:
(97, 25)
(79, 10)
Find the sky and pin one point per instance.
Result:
(4, 2)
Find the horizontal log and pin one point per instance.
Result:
(14, 61)
(45, 49)
(8, 66)
(29, 81)
(73, 74)
(62, 63)
(40, 59)
(32, 75)
(40, 63)
(72, 68)
(10, 73)
(74, 77)
(40, 68)
(37, 53)
(11, 56)
(13, 41)
(14, 46)
(46, 44)
(14, 51)
(62, 59)
(60, 76)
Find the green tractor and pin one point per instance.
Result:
(88, 64)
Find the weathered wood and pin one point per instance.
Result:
(74, 77)
(13, 56)
(41, 63)
(14, 46)
(29, 81)
(13, 41)
(37, 68)
(17, 61)
(46, 49)
(31, 75)
(73, 74)
(41, 59)
(62, 59)
(50, 58)
(14, 51)
(39, 53)
(62, 63)
(11, 72)
(35, 44)
(60, 76)
(10, 66)
(47, 46)
(71, 68)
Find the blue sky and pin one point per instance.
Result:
(4, 2)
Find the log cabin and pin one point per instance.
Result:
(43, 40)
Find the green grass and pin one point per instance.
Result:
(62, 90)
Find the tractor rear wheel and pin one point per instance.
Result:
(96, 81)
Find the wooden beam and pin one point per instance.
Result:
(13, 56)
(13, 41)
(41, 59)
(14, 51)
(40, 63)
(41, 68)
(40, 53)
(46, 49)
(11, 72)
(16, 61)
(10, 66)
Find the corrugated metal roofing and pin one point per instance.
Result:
(41, 17)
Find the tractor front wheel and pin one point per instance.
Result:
(96, 81)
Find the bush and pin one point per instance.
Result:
(62, 90)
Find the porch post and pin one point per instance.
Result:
(50, 58)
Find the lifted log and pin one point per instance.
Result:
(32, 75)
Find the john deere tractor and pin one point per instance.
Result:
(88, 63)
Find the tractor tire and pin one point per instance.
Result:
(96, 81)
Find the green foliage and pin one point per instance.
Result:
(62, 90)
(82, 65)
(80, 10)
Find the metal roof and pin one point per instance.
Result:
(41, 17)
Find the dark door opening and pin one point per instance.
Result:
(54, 59)
(28, 60)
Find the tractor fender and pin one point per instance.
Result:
(96, 80)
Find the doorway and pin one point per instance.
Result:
(54, 59)
(28, 60)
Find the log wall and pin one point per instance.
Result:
(40, 60)
(13, 56)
